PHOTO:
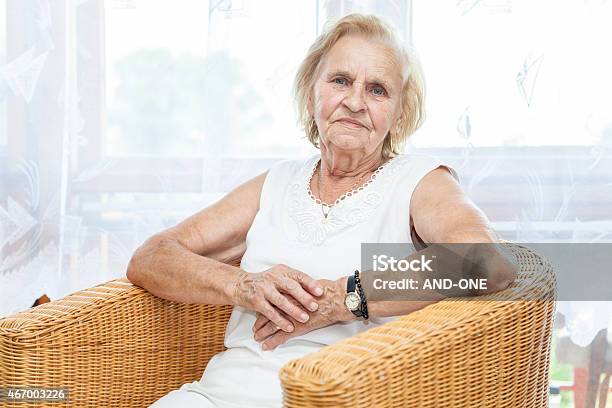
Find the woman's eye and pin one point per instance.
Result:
(340, 81)
(379, 91)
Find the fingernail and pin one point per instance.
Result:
(318, 291)
(264, 347)
(313, 306)
(303, 317)
(289, 327)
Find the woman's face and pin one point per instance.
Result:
(356, 95)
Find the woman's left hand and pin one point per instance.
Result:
(331, 310)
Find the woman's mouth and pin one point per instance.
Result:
(350, 123)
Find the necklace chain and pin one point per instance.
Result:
(329, 206)
(349, 193)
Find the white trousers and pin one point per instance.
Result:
(237, 378)
(183, 398)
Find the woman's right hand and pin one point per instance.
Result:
(265, 291)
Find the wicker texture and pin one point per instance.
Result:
(489, 352)
(117, 345)
(114, 345)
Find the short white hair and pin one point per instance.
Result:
(412, 96)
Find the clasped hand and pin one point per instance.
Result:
(329, 311)
(288, 303)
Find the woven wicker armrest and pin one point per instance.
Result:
(487, 351)
(112, 345)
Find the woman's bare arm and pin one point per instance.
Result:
(443, 213)
(187, 263)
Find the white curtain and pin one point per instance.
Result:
(119, 118)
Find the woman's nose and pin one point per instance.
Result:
(355, 99)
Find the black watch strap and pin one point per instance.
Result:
(350, 284)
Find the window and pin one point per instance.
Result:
(204, 78)
(515, 73)
(518, 100)
(155, 67)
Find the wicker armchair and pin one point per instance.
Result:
(116, 345)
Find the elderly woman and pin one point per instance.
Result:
(298, 227)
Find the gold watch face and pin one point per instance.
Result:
(352, 301)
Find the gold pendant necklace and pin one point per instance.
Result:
(331, 206)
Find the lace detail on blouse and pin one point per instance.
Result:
(312, 226)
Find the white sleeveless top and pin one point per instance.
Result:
(290, 229)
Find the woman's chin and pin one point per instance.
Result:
(347, 142)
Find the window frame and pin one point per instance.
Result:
(188, 175)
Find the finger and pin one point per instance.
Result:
(260, 322)
(276, 340)
(273, 315)
(280, 301)
(295, 289)
(308, 283)
(266, 331)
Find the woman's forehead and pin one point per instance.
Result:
(358, 55)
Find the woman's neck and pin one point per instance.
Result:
(338, 175)
(343, 167)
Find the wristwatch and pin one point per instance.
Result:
(353, 300)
